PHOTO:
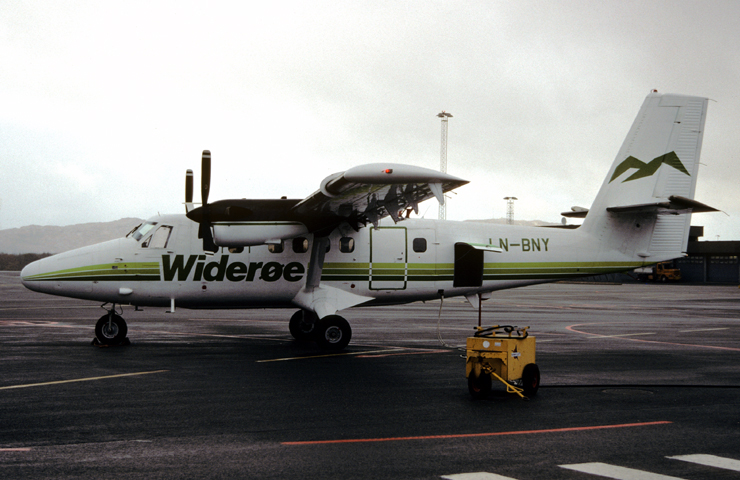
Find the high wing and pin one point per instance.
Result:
(361, 195)
(367, 193)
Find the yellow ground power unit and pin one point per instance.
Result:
(504, 353)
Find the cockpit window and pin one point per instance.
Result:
(160, 237)
(132, 231)
(143, 230)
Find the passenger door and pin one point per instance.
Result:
(388, 258)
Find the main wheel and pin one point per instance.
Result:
(479, 387)
(111, 329)
(303, 325)
(333, 333)
(531, 379)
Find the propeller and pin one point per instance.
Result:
(204, 228)
(189, 186)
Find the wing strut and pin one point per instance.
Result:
(316, 265)
(323, 299)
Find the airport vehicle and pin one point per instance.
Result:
(351, 244)
(660, 272)
(505, 353)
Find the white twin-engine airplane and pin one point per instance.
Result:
(336, 249)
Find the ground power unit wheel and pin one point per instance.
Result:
(531, 379)
(479, 387)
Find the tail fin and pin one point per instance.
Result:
(644, 206)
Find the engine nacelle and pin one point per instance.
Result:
(247, 234)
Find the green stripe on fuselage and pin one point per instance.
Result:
(427, 272)
(142, 271)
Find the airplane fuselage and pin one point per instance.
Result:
(412, 260)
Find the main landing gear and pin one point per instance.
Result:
(330, 333)
(111, 329)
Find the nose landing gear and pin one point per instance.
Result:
(111, 329)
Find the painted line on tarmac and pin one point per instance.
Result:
(625, 335)
(472, 435)
(714, 347)
(39, 323)
(23, 449)
(363, 354)
(710, 461)
(704, 330)
(423, 352)
(89, 379)
(616, 472)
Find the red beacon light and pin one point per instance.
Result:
(388, 170)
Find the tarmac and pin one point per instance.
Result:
(637, 380)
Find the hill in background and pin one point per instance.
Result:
(52, 239)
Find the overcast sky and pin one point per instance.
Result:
(104, 105)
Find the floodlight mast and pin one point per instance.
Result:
(510, 209)
(443, 158)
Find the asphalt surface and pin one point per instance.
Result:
(631, 375)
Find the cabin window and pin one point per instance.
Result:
(300, 245)
(275, 247)
(346, 244)
(420, 245)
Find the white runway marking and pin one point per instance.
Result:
(476, 476)
(618, 473)
(710, 461)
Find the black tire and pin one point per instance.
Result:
(303, 325)
(479, 387)
(663, 279)
(111, 329)
(333, 333)
(531, 379)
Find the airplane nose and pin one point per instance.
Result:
(27, 274)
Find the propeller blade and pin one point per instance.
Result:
(204, 232)
(189, 186)
(205, 176)
(204, 229)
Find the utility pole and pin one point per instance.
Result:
(443, 158)
(510, 209)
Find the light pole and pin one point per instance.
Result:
(510, 209)
(443, 158)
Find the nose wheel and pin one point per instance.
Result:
(111, 329)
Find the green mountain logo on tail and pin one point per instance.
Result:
(648, 169)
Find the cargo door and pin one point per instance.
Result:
(468, 266)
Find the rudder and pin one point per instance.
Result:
(644, 205)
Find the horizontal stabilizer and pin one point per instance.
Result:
(576, 212)
(675, 205)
